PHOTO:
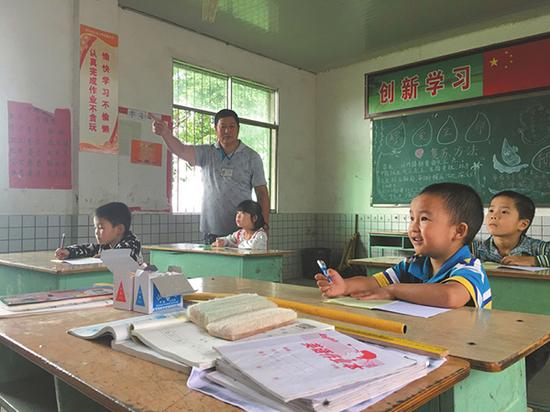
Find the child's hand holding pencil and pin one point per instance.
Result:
(330, 283)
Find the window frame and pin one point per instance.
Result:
(272, 184)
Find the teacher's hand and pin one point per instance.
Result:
(160, 127)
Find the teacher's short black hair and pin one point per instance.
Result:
(253, 209)
(226, 113)
(524, 204)
(116, 213)
(463, 204)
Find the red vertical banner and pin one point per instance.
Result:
(98, 90)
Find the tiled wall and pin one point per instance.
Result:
(334, 230)
(288, 231)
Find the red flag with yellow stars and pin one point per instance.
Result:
(514, 68)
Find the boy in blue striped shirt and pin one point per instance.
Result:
(444, 218)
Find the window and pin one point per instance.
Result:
(198, 95)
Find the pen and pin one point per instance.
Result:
(62, 241)
(323, 267)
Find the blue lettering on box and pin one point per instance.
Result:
(160, 302)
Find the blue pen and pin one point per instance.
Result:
(323, 267)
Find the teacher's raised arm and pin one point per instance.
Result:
(176, 146)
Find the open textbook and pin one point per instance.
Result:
(324, 370)
(171, 340)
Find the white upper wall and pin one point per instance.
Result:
(147, 47)
(37, 57)
(37, 39)
(343, 138)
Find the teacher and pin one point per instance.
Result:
(230, 170)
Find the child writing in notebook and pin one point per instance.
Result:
(112, 231)
(444, 219)
(251, 234)
(509, 216)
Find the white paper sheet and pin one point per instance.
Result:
(412, 309)
(297, 366)
(526, 268)
(79, 261)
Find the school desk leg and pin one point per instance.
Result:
(23, 385)
(69, 399)
(493, 391)
(484, 391)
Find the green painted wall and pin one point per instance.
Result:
(343, 136)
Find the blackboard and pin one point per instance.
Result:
(492, 147)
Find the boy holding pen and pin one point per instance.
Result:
(444, 219)
(112, 231)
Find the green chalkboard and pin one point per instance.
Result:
(492, 147)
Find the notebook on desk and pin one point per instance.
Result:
(79, 261)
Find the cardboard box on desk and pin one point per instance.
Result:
(155, 291)
(123, 267)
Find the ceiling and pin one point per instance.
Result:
(318, 35)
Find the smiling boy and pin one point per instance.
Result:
(444, 219)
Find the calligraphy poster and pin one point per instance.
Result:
(98, 91)
(39, 147)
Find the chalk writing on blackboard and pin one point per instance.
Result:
(511, 160)
(479, 130)
(396, 137)
(448, 133)
(423, 135)
(541, 160)
(502, 145)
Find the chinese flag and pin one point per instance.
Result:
(521, 67)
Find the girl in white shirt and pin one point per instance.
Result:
(251, 234)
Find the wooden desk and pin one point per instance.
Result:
(35, 272)
(493, 342)
(515, 290)
(44, 367)
(196, 261)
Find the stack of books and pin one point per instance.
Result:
(320, 371)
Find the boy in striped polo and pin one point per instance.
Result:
(444, 218)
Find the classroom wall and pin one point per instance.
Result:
(343, 145)
(147, 49)
(39, 41)
(36, 67)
